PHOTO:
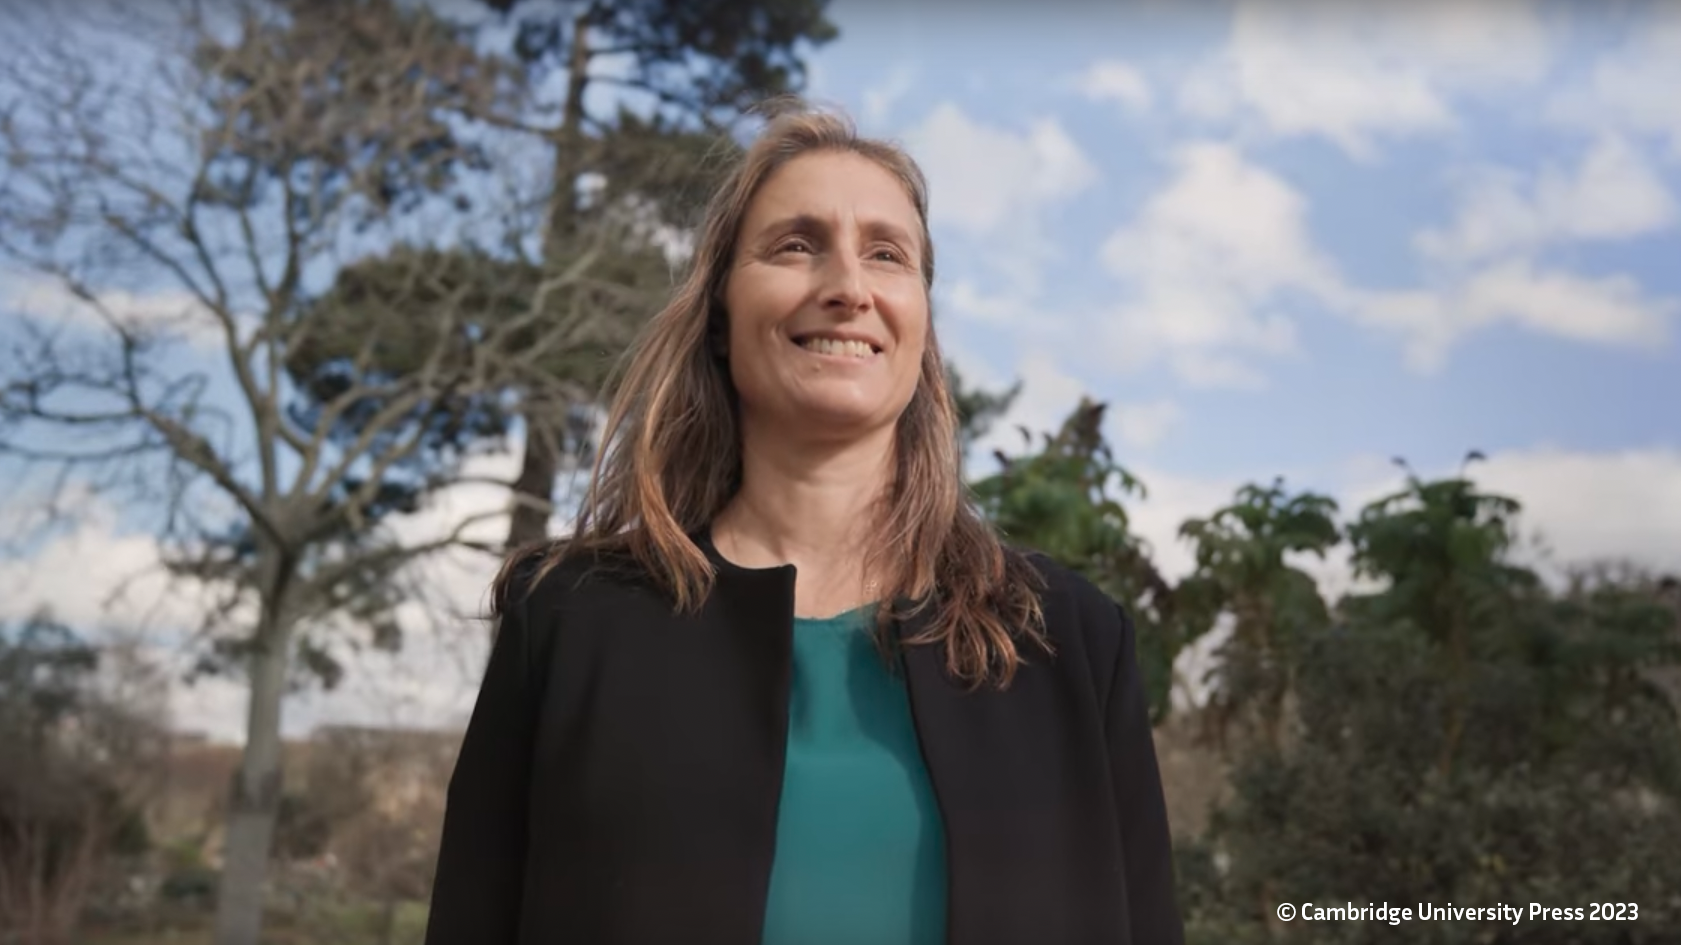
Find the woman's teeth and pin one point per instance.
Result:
(851, 349)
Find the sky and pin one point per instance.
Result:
(1300, 239)
(1287, 239)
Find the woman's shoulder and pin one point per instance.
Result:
(1060, 580)
(1074, 605)
(545, 575)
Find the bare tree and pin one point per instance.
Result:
(194, 206)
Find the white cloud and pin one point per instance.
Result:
(993, 184)
(1612, 310)
(1143, 425)
(1171, 500)
(173, 314)
(1604, 506)
(1209, 371)
(977, 371)
(105, 580)
(986, 178)
(93, 568)
(1112, 80)
(1203, 261)
(1612, 194)
(107, 585)
(1213, 261)
(1012, 309)
(480, 498)
(1049, 394)
(880, 99)
(1356, 73)
(1427, 323)
(1632, 88)
(967, 300)
(1219, 203)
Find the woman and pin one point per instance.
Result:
(783, 686)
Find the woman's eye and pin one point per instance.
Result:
(889, 255)
(796, 246)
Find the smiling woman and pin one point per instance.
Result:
(828, 312)
(783, 683)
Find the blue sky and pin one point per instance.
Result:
(1233, 202)
(1289, 237)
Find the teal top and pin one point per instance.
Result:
(860, 850)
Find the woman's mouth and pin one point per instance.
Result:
(836, 347)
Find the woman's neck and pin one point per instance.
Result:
(812, 506)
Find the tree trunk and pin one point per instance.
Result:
(254, 798)
(534, 489)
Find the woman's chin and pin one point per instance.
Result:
(831, 419)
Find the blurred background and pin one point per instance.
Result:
(1338, 340)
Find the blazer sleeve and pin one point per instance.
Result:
(479, 884)
(1146, 845)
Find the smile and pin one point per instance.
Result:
(839, 348)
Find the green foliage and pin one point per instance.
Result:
(1441, 546)
(703, 59)
(44, 668)
(620, 183)
(1062, 501)
(420, 309)
(1464, 735)
(1459, 734)
(191, 887)
(349, 101)
(1241, 571)
(63, 808)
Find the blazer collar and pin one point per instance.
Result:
(733, 578)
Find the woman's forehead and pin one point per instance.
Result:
(834, 187)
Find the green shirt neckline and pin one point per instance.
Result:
(860, 846)
(861, 615)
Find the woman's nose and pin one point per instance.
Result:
(843, 282)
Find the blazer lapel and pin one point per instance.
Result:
(1028, 854)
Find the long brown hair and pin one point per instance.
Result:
(671, 449)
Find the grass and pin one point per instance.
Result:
(354, 923)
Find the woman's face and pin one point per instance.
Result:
(828, 316)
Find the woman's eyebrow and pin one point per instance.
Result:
(892, 231)
(809, 222)
(796, 223)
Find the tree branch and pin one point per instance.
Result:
(664, 97)
(392, 555)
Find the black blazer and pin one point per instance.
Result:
(618, 781)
